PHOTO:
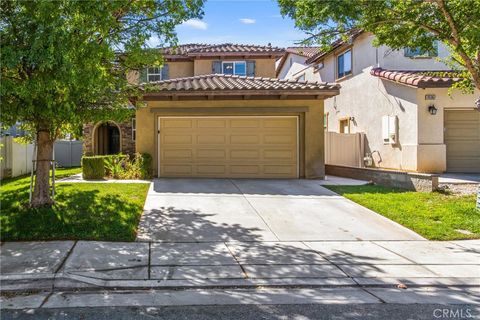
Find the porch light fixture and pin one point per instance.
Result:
(432, 110)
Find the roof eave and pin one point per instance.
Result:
(311, 94)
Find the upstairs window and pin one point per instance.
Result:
(421, 53)
(344, 64)
(235, 67)
(154, 74)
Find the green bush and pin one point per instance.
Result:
(117, 166)
(93, 167)
(137, 168)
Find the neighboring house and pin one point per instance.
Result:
(219, 111)
(399, 99)
(13, 131)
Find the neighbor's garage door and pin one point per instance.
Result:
(228, 147)
(462, 137)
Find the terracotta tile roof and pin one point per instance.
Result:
(231, 83)
(236, 48)
(182, 49)
(419, 79)
(303, 51)
(190, 50)
(336, 44)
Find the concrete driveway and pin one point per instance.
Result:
(190, 210)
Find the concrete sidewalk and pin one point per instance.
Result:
(68, 265)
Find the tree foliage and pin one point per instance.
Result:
(61, 64)
(398, 24)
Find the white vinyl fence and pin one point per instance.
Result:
(344, 149)
(17, 157)
(68, 153)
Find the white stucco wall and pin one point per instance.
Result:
(292, 67)
(396, 60)
(367, 99)
(420, 145)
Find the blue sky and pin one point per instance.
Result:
(246, 22)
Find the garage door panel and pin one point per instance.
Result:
(244, 154)
(176, 169)
(277, 169)
(463, 149)
(211, 169)
(279, 139)
(462, 139)
(214, 154)
(244, 139)
(286, 154)
(177, 139)
(211, 123)
(178, 123)
(245, 169)
(279, 123)
(211, 139)
(461, 132)
(237, 147)
(245, 123)
(177, 154)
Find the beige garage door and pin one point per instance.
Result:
(462, 137)
(228, 147)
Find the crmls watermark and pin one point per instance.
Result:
(452, 313)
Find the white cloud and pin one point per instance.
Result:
(247, 21)
(196, 24)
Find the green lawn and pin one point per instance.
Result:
(87, 211)
(435, 216)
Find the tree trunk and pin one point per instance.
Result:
(41, 192)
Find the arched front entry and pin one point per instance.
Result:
(107, 139)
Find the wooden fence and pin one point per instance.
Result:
(345, 149)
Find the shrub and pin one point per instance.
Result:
(137, 168)
(93, 167)
(117, 166)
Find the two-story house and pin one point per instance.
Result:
(219, 111)
(399, 99)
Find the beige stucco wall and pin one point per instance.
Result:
(311, 125)
(177, 69)
(263, 67)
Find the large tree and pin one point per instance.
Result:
(61, 67)
(398, 23)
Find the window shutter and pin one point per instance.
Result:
(165, 72)
(142, 76)
(216, 66)
(251, 68)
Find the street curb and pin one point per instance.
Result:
(72, 282)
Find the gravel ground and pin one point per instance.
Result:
(471, 188)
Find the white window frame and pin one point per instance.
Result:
(234, 67)
(159, 74)
(134, 129)
(337, 76)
